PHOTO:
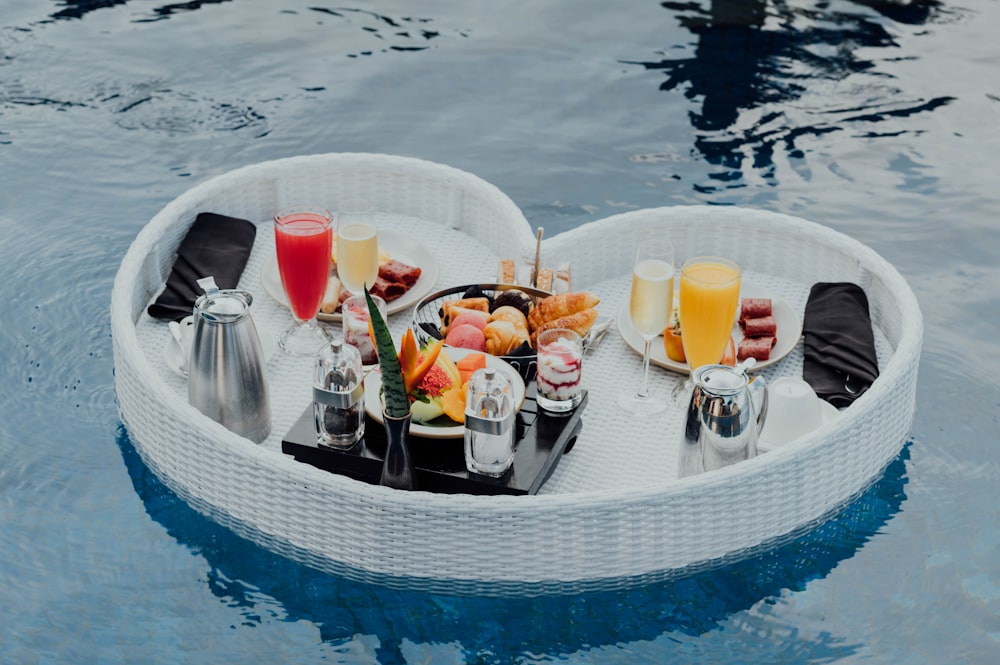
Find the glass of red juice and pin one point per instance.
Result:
(303, 239)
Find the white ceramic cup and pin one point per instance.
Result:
(793, 409)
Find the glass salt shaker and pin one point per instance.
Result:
(338, 393)
(489, 423)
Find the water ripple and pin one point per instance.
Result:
(179, 112)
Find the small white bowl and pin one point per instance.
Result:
(793, 410)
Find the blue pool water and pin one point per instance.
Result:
(876, 118)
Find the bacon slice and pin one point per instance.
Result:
(764, 326)
(388, 290)
(397, 271)
(754, 308)
(758, 348)
(394, 279)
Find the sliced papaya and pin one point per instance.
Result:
(453, 401)
(468, 365)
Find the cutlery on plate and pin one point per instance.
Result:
(596, 334)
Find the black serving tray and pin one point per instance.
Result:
(541, 440)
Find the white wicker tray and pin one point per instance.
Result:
(614, 512)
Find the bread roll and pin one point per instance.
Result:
(514, 316)
(501, 338)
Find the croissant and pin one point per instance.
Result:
(579, 322)
(557, 306)
(501, 338)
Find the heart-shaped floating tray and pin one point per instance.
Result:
(614, 510)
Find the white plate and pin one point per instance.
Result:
(827, 413)
(373, 397)
(399, 246)
(175, 359)
(789, 332)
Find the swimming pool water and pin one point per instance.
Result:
(875, 118)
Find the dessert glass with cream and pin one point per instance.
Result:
(560, 365)
(354, 313)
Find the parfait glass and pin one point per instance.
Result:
(650, 306)
(303, 238)
(357, 246)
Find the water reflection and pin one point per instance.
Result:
(267, 586)
(80, 8)
(753, 58)
(406, 33)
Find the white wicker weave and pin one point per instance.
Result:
(613, 513)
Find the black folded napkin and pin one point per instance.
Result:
(215, 246)
(840, 362)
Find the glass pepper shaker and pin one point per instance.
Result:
(489, 423)
(338, 393)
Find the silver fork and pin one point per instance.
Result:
(596, 334)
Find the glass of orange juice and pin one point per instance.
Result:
(709, 296)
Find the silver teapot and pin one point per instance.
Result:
(724, 418)
(226, 372)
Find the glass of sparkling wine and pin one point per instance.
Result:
(650, 306)
(357, 246)
(709, 296)
(303, 237)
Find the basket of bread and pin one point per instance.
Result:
(502, 320)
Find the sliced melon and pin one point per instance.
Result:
(424, 412)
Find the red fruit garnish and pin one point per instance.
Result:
(434, 381)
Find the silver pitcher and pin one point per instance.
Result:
(226, 371)
(724, 418)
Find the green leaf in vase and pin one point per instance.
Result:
(397, 405)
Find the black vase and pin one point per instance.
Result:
(397, 469)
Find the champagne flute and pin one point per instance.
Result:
(357, 246)
(650, 306)
(303, 237)
(709, 296)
